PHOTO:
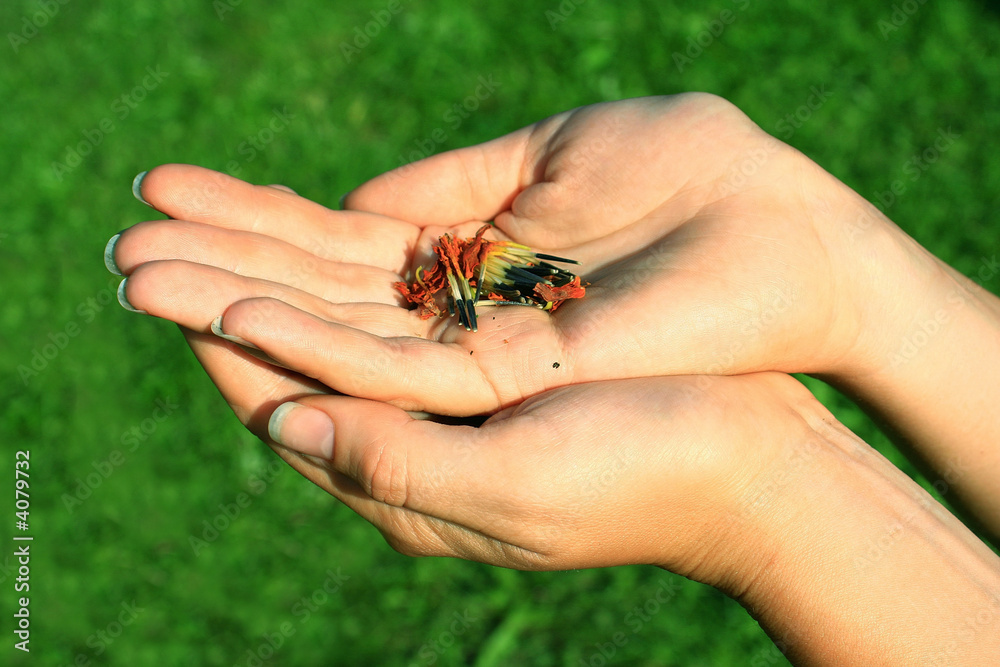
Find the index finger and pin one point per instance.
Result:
(195, 194)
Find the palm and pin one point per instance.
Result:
(725, 268)
(728, 270)
(718, 305)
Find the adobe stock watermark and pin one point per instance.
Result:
(984, 619)
(634, 622)
(211, 187)
(770, 310)
(120, 108)
(453, 118)
(447, 470)
(230, 512)
(915, 167)
(7, 569)
(223, 7)
(255, 144)
(31, 24)
(563, 11)
(923, 332)
(303, 609)
(101, 640)
(901, 13)
(787, 126)
(748, 165)
(876, 549)
(866, 218)
(130, 441)
(800, 460)
(363, 35)
(705, 38)
(598, 486)
(432, 651)
(58, 341)
(588, 160)
(754, 159)
(775, 654)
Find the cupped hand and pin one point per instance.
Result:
(710, 248)
(676, 472)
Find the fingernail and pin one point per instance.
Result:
(123, 300)
(232, 338)
(109, 256)
(245, 345)
(137, 187)
(303, 429)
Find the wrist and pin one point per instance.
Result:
(858, 565)
(885, 279)
(896, 293)
(923, 360)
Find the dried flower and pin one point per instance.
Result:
(503, 272)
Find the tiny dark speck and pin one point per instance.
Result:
(470, 351)
(555, 364)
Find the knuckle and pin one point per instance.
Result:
(383, 471)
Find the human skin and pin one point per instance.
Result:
(733, 270)
(745, 483)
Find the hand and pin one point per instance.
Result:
(693, 270)
(745, 483)
(754, 259)
(723, 251)
(545, 485)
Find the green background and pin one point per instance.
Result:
(225, 69)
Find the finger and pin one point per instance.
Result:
(279, 186)
(473, 183)
(192, 193)
(440, 471)
(253, 256)
(577, 176)
(408, 371)
(540, 189)
(193, 295)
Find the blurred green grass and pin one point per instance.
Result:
(224, 70)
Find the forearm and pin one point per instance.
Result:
(864, 568)
(929, 369)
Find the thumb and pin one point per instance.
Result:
(433, 469)
(544, 185)
(474, 183)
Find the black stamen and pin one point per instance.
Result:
(479, 282)
(520, 275)
(470, 315)
(553, 258)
